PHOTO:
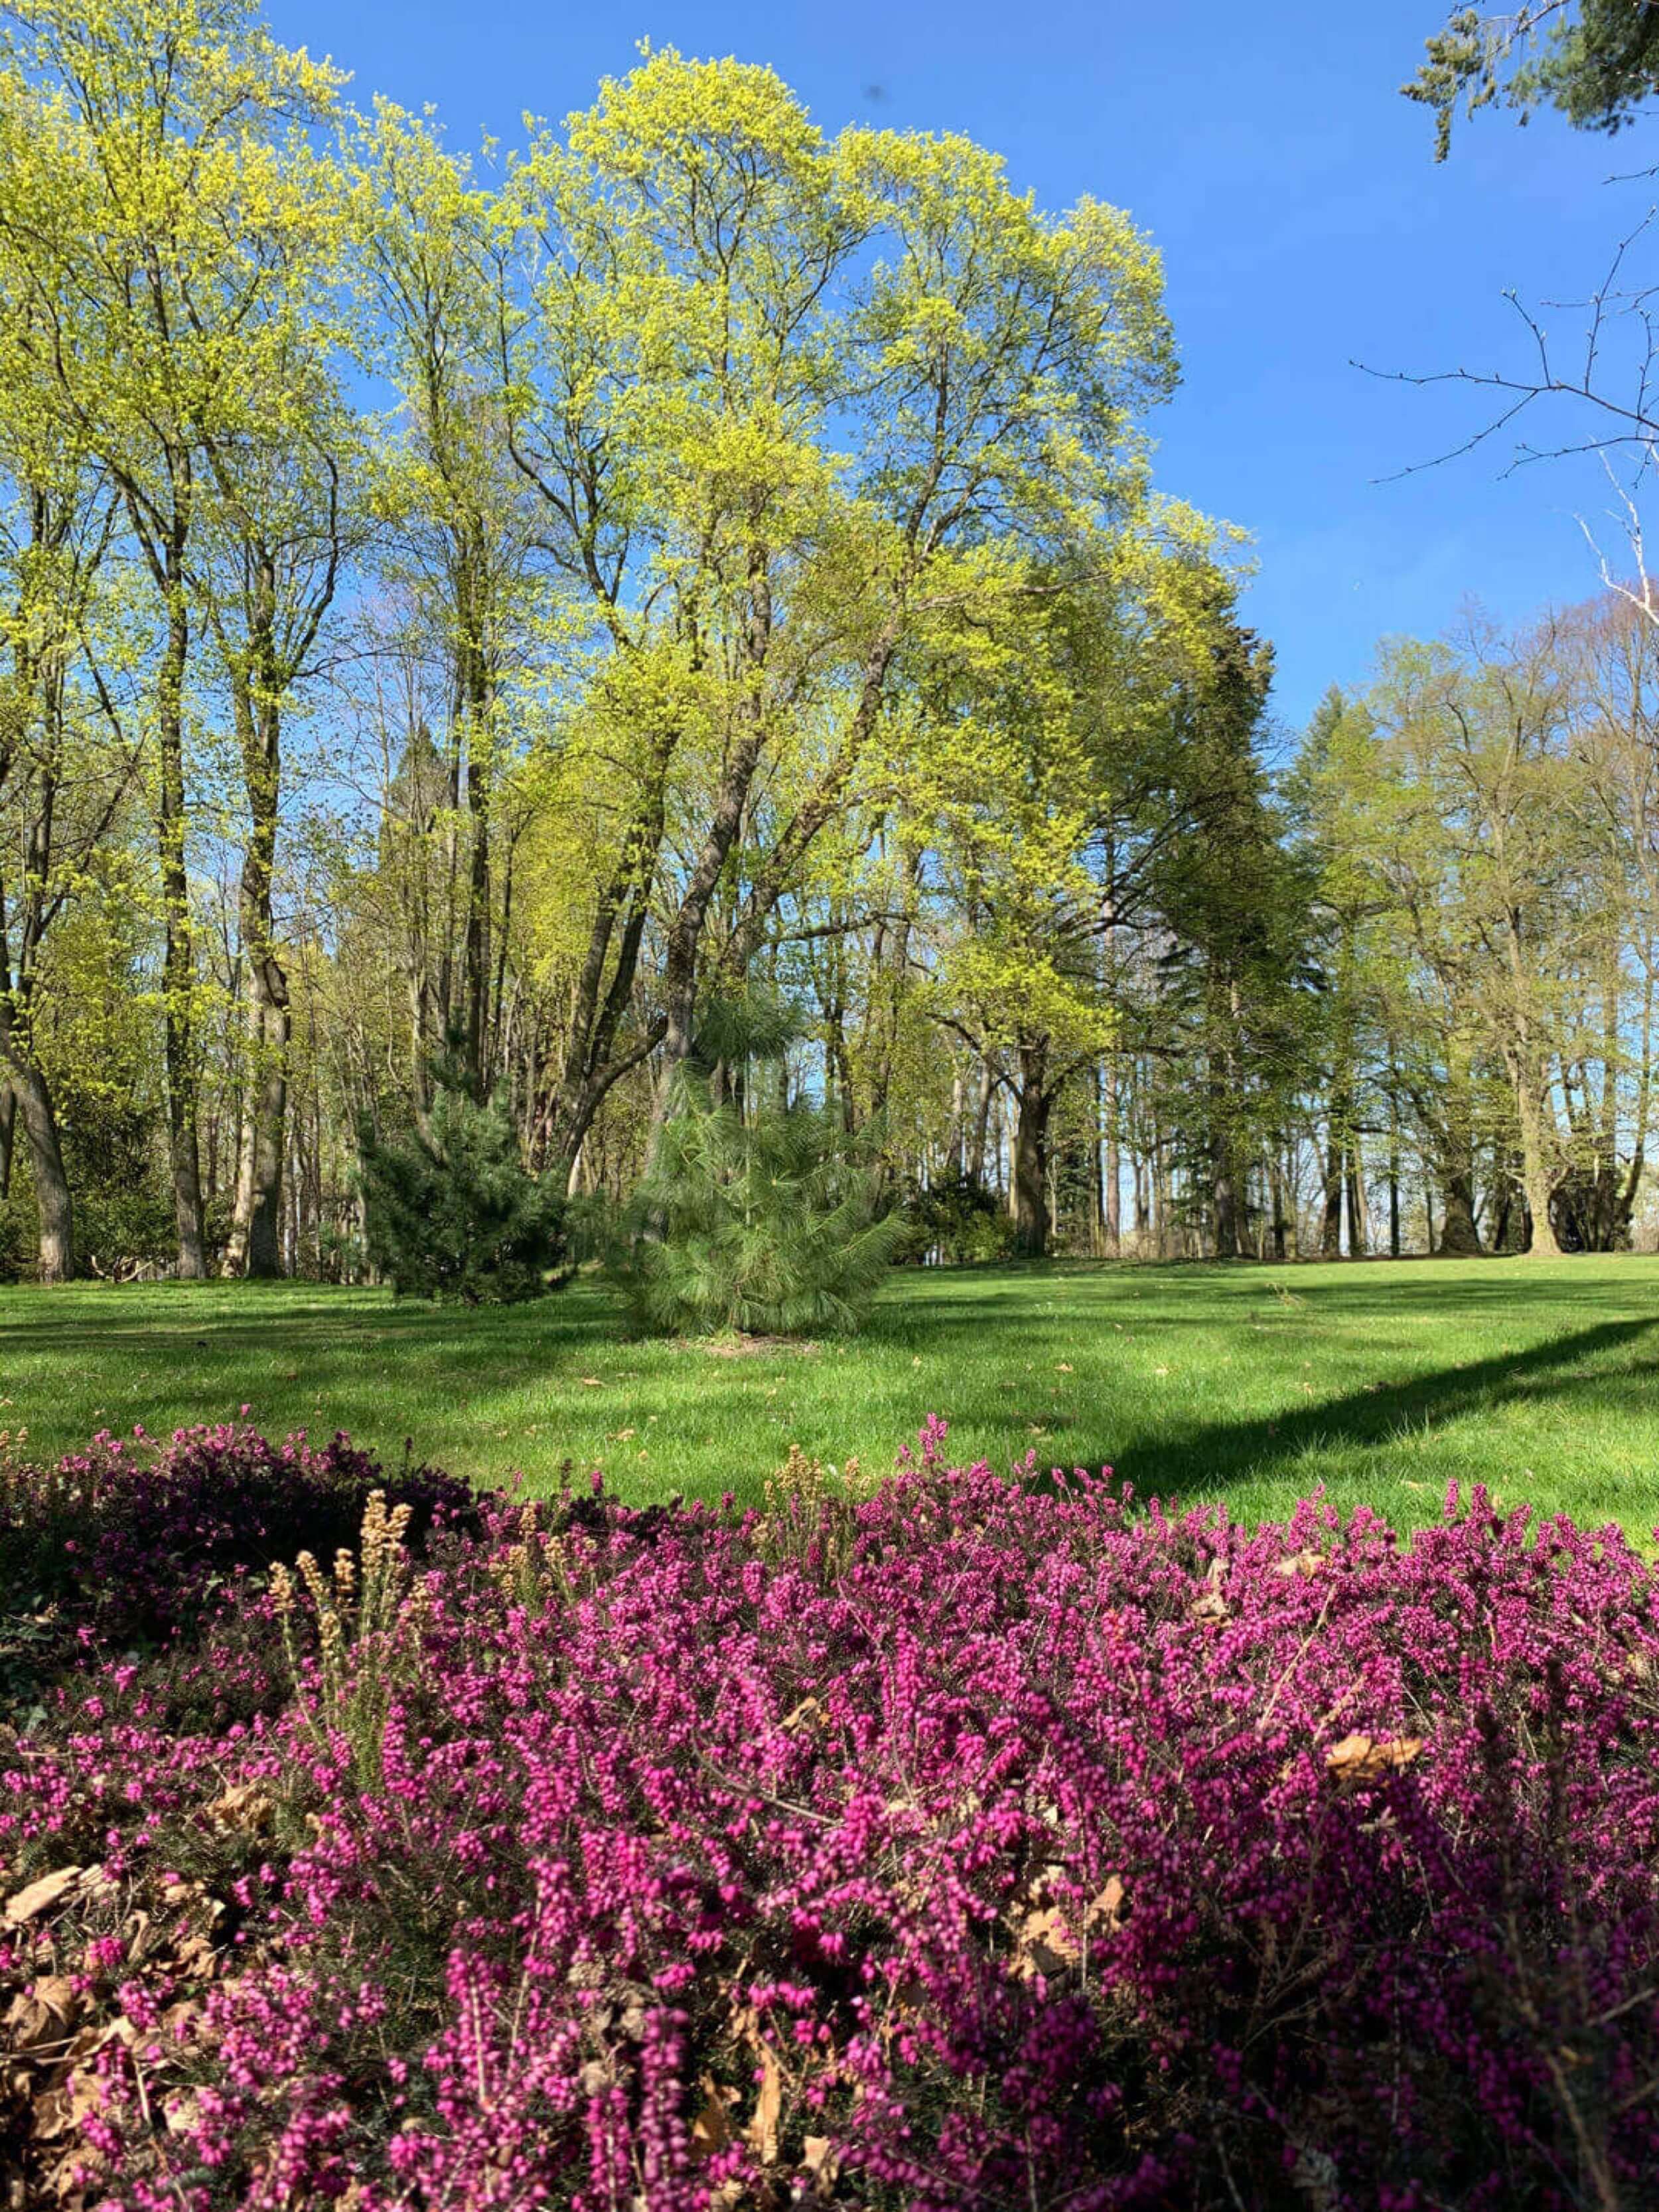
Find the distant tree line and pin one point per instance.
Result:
(495, 615)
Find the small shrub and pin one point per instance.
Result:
(18, 1233)
(957, 1223)
(773, 1223)
(119, 1231)
(453, 1212)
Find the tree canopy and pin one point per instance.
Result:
(496, 611)
(1595, 61)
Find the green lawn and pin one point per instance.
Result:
(1382, 1382)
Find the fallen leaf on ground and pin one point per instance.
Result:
(761, 2132)
(40, 1896)
(711, 2131)
(41, 2015)
(1107, 1909)
(1368, 1759)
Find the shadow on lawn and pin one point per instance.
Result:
(1201, 1460)
(1200, 1296)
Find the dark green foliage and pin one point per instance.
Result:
(113, 1150)
(957, 1222)
(1234, 975)
(16, 1238)
(774, 1225)
(117, 1231)
(452, 1212)
(1597, 62)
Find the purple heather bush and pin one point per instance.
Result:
(974, 1843)
(130, 1542)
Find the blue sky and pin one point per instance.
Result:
(1302, 222)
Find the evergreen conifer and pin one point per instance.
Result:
(453, 1212)
(770, 1221)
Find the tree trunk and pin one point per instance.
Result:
(8, 1131)
(1358, 1239)
(1500, 1228)
(1393, 1174)
(981, 1130)
(1031, 1156)
(267, 1127)
(1535, 1180)
(1113, 1167)
(1460, 1233)
(1523, 1060)
(475, 958)
(254, 1246)
(52, 1191)
(1330, 1233)
(178, 962)
(1227, 1208)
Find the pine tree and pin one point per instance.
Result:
(772, 1223)
(452, 1213)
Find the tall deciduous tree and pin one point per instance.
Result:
(64, 765)
(722, 302)
(432, 276)
(152, 195)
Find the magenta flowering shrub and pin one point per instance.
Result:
(126, 1542)
(975, 1844)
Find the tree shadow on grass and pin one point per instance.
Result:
(1207, 1458)
(937, 1306)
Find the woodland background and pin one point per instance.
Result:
(522, 607)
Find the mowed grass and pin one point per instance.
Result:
(1382, 1382)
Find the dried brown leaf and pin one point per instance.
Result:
(40, 1896)
(245, 1809)
(711, 2131)
(822, 2161)
(1044, 1944)
(1367, 1759)
(761, 2132)
(1107, 1911)
(41, 2016)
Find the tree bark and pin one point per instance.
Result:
(1114, 1206)
(1394, 1172)
(981, 1130)
(254, 1248)
(474, 705)
(1226, 1197)
(1522, 1058)
(1032, 1155)
(1330, 1230)
(255, 1239)
(1460, 1233)
(1359, 1241)
(33, 1106)
(178, 963)
(1535, 1180)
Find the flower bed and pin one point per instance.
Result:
(971, 1843)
